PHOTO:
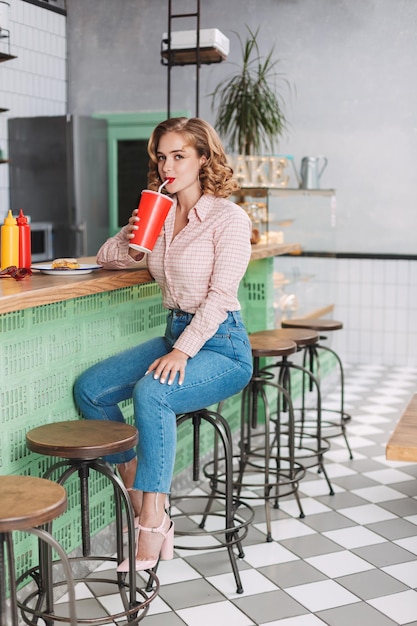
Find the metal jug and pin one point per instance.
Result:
(311, 170)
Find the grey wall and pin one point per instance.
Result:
(352, 67)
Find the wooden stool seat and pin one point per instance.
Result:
(27, 502)
(264, 345)
(301, 336)
(82, 439)
(315, 323)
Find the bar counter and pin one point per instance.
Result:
(41, 289)
(53, 328)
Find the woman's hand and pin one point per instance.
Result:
(168, 366)
(132, 224)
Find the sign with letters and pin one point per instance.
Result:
(260, 171)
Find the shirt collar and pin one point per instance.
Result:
(203, 206)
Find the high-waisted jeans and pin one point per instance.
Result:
(221, 368)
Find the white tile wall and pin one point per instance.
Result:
(35, 82)
(375, 299)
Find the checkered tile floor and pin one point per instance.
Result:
(351, 560)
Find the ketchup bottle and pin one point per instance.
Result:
(9, 242)
(25, 253)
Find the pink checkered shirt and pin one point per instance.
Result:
(200, 270)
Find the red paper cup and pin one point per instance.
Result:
(152, 210)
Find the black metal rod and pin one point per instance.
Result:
(172, 16)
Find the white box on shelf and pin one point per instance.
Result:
(214, 46)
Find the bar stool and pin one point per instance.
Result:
(334, 428)
(81, 444)
(234, 527)
(311, 443)
(274, 457)
(27, 502)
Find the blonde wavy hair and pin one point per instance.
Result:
(216, 175)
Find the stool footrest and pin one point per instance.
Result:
(32, 605)
(233, 534)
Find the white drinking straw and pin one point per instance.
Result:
(168, 180)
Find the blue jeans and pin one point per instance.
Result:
(221, 368)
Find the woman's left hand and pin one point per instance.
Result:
(168, 366)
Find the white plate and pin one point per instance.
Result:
(47, 268)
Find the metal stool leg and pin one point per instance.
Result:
(232, 527)
(284, 379)
(44, 601)
(6, 545)
(312, 354)
(261, 458)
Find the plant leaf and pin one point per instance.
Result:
(250, 109)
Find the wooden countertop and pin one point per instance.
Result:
(265, 250)
(40, 289)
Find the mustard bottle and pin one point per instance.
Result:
(9, 242)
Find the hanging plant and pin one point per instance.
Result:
(250, 109)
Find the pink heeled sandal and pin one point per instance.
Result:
(136, 520)
(167, 547)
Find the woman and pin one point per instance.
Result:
(198, 261)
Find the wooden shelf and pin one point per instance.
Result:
(4, 161)
(6, 57)
(263, 192)
(189, 56)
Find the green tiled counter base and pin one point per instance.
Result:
(256, 295)
(42, 351)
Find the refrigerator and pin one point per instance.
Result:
(59, 176)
